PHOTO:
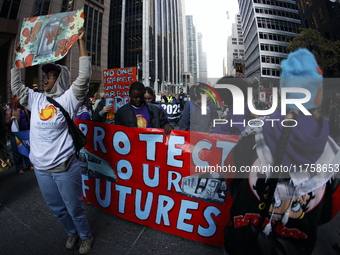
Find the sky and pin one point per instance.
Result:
(211, 20)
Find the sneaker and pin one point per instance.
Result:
(21, 172)
(71, 242)
(85, 246)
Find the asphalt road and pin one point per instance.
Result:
(27, 227)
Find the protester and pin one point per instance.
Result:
(150, 98)
(138, 113)
(101, 111)
(21, 115)
(5, 161)
(182, 98)
(53, 153)
(278, 212)
(234, 124)
(97, 98)
(192, 118)
(164, 99)
(83, 111)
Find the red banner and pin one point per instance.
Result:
(146, 177)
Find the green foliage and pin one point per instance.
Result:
(327, 52)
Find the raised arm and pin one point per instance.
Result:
(81, 43)
(18, 88)
(80, 85)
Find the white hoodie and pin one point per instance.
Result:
(50, 142)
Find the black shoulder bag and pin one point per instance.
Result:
(79, 139)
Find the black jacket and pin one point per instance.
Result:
(126, 117)
(96, 116)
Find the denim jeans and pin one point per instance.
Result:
(62, 194)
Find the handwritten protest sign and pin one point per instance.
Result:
(45, 39)
(143, 176)
(116, 87)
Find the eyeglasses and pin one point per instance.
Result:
(49, 76)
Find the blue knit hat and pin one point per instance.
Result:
(301, 70)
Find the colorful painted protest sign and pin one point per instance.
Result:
(116, 87)
(146, 177)
(45, 39)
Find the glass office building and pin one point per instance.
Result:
(148, 34)
(267, 27)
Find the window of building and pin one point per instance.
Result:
(41, 7)
(9, 9)
(93, 20)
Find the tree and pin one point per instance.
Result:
(327, 52)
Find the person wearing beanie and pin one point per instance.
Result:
(276, 207)
(52, 150)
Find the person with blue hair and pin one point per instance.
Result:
(277, 207)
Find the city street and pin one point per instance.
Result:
(28, 228)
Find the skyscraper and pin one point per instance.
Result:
(192, 47)
(202, 60)
(149, 35)
(235, 50)
(267, 27)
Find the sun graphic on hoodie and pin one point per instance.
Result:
(48, 113)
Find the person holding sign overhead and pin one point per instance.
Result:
(53, 153)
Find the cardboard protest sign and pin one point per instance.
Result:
(45, 39)
(116, 88)
(143, 176)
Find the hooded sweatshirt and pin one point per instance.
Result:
(50, 142)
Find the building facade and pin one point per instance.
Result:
(235, 50)
(13, 12)
(192, 47)
(267, 27)
(202, 60)
(323, 16)
(148, 35)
